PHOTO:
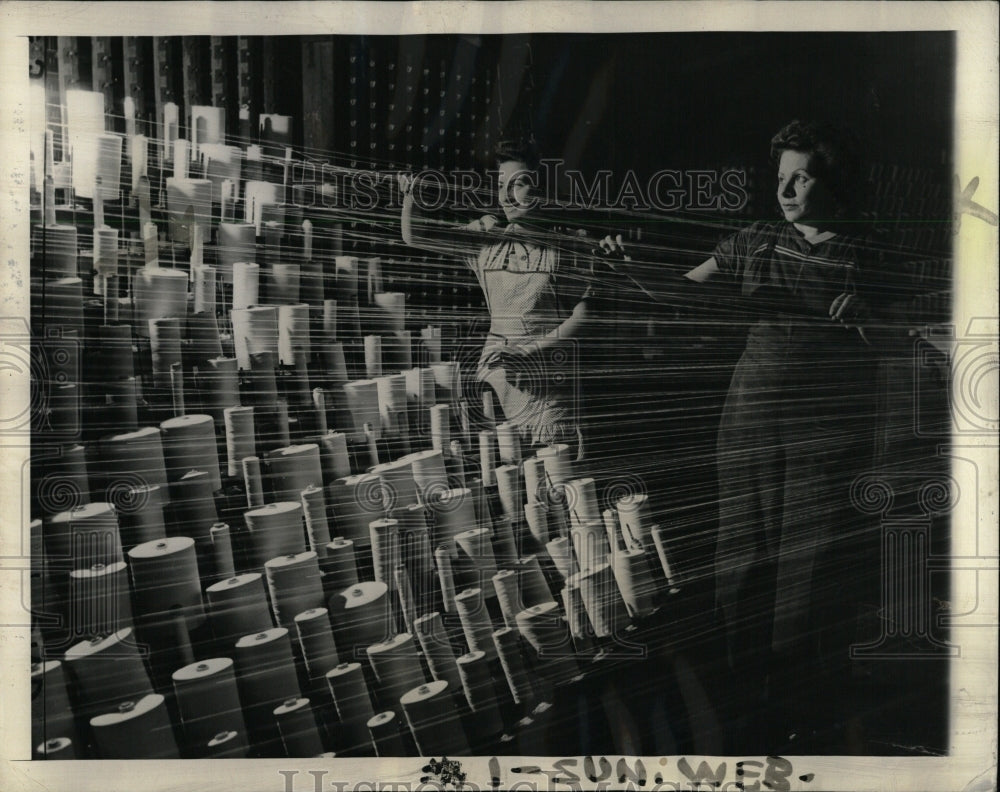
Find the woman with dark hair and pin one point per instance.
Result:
(537, 304)
(796, 427)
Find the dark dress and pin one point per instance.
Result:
(795, 431)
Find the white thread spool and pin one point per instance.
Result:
(453, 513)
(253, 481)
(392, 306)
(433, 720)
(560, 550)
(442, 561)
(396, 667)
(189, 443)
(536, 513)
(361, 617)
(544, 628)
(636, 520)
(165, 348)
(476, 545)
(475, 618)
(397, 352)
(437, 649)
(384, 729)
(330, 320)
(429, 473)
(447, 382)
(60, 250)
(239, 437)
(51, 713)
(456, 462)
(602, 600)
(473, 667)
(194, 510)
(430, 338)
(405, 593)
(508, 644)
(576, 613)
(505, 584)
(181, 148)
(99, 599)
(392, 405)
(581, 495)
(238, 606)
(362, 402)
(218, 386)
(138, 730)
(204, 289)
(140, 159)
(557, 462)
(373, 356)
(534, 588)
(333, 456)
(298, 729)
(385, 550)
(508, 478)
(293, 469)
(275, 529)
(158, 293)
(590, 545)
(189, 203)
(635, 582)
(222, 552)
(664, 552)
(107, 669)
(261, 389)
(440, 419)
(97, 157)
(504, 544)
(86, 535)
(63, 305)
(615, 540)
(356, 501)
(255, 329)
(294, 585)
(246, 284)
(208, 700)
(398, 488)
(165, 577)
(227, 745)
(420, 395)
(317, 527)
(293, 332)
(203, 340)
(105, 251)
(143, 520)
(316, 640)
(237, 244)
(265, 676)
(346, 269)
(56, 748)
(487, 456)
(339, 567)
(350, 693)
(508, 443)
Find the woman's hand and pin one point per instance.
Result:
(513, 356)
(850, 309)
(483, 225)
(405, 182)
(612, 249)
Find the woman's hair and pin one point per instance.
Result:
(518, 150)
(835, 155)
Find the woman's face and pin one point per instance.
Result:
(514, 185)
(804, 198)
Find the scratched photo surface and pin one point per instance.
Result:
(484, 409)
